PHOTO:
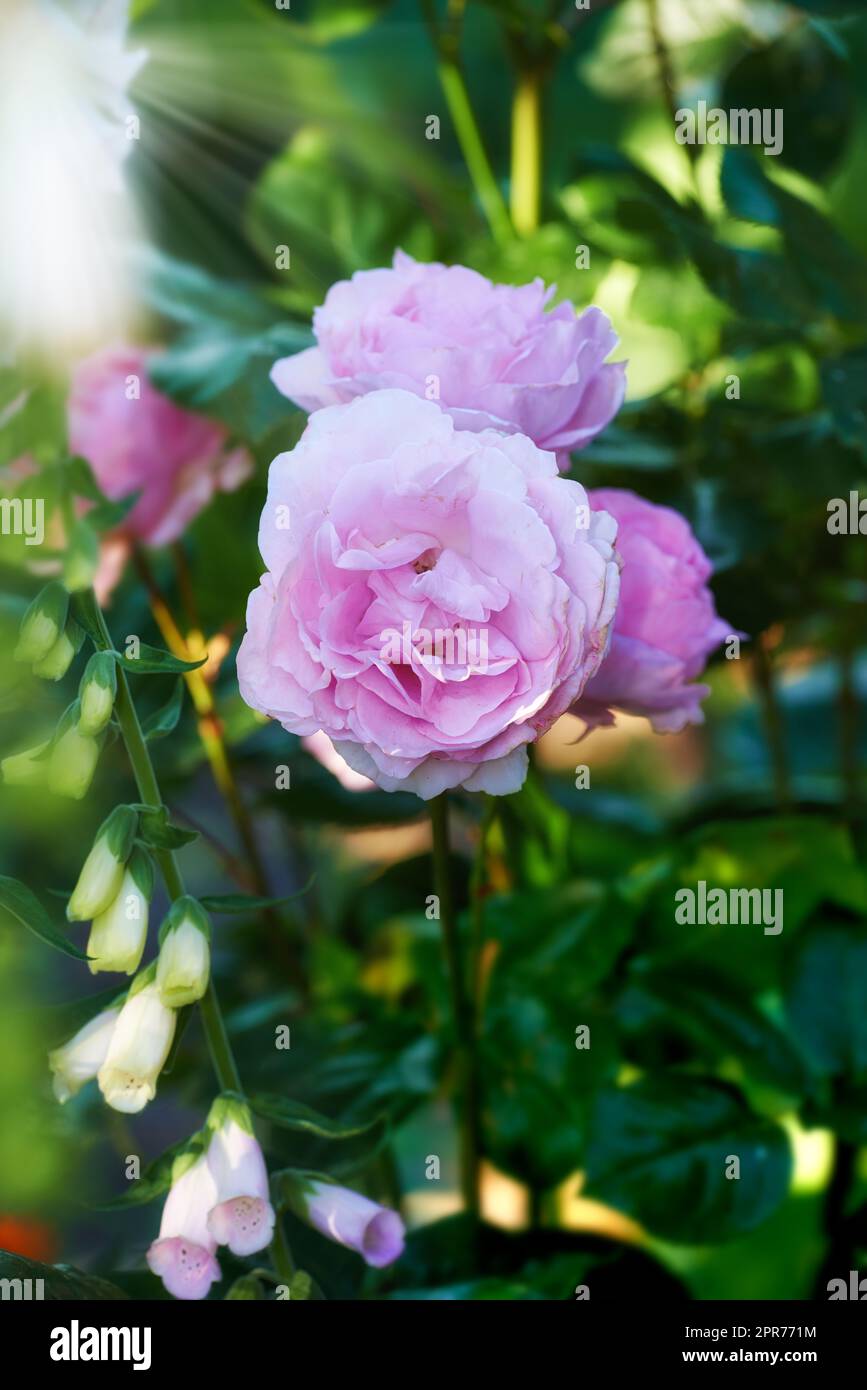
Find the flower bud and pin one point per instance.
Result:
(138, 1049)
(43, 623)
(25, 769)
(72, 761)
(373, 1232)
(241, 1216)
(96, 693)
(102, 872)
(118, 935)
(184, 963)
(81, 560)
(79, 1060)
(57, 661)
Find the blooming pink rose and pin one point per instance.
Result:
(175, 459)
(666, 623)
(490, 354)
(434, 598)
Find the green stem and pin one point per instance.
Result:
(470, 140)
(774, 726)
(526, 152)
(220, 1048)
(462, 1010)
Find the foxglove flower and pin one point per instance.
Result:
(102, 872)
(183, 1253)
(118, 935)
(79, 1060)
(373, 1232)
(42, 624)
(96, 693)
(138, 1049)
(242, 1216)
(184, 961)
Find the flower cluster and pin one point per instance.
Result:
(426, 496)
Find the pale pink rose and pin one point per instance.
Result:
(147, 444)
(492, 355)
(434, 598)
(323, 750)
(183, 1254)
(666, 623)
(242, 1216)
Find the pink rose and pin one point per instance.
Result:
(147, 444)
(666, 623)
(490, 354)
(434, 598)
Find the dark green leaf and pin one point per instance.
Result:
(165, 719)
(62, 1283)
(158, 832)
(659, 1150)
(291, 1114)
(246, 902)
(20, 904)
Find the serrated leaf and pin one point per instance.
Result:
(17, 900)
(292, 1114)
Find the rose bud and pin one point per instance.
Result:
(43, 623)
(118, 935)
(96, 693)
(79, 1060)
(184, 962)
(373, 1232)
(242, 1216)
(139, 1046)
(102, 872)
(58, 659)
(183, 1254)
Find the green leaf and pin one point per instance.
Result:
(826, 996)
(292, 1114)
(803, 75)
(159, 832)
(247, 902)
(62, 1283)
(723, 1025)
(154, 661)
(165, 719)
(156, 1178)
(17, 900)
(659, 1151)
(844, 385)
